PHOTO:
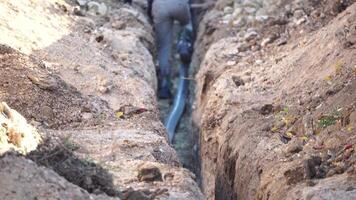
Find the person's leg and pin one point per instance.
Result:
(181, 12)
(163, 31)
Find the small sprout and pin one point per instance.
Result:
(288, 119)
(274, 129)
(330, 119)
(350, 128)
(338, 66)
(328, 79)
(290, 134)
(326, 121)
(285, 109)
(119, 114)
(304, 138)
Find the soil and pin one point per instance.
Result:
(272, 103)
(86, 80)
(275, 100)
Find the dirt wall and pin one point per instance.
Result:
(275, 100)
(85, 77)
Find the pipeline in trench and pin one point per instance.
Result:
(176, 113)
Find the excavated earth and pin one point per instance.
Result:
(275, 99)
(274, 106)
(83, 78)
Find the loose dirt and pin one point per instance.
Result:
(86, 79)
(275, 100)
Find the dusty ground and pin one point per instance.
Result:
(275, 100)
(87, 81)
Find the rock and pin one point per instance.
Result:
(255, 47)
(47, 112)
(149, 173)
(310, 183)
(15, 132)
(168, 176)
(294, 175)
(266, 109)
(301, 21)
(43, 82)
(311, 166)
(261, 18)
(228, 10)
(250, 35)
(238, 81)
(259, 62)
(242, 47)
(266, 41)
(298, 14)
(250, 9)
(331, 172)
(82, 2)
(96, 8)
(237, 12)
(282, 41)
(294, 146)
(87, 116)
(241, 21)
(78, 11)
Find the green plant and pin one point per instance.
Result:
(330, 119)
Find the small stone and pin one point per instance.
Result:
(250, 10)
(250, 35)
(259, 62)
(237, 12)
(82, 2)
(266, 41)
(87, 115)
(242, 47)
(293, 147)
(294, 175)
(298, 13)
(255, 47)
(310, 183)
(266, 109)
(238, 81)
(282, 41)
(228, 10)
(301, 20)
(340, 168)
(241, 21)
(168, 177)
(331, 172)
(149, 173)
(97, 8)
(227, 17)
(311, 165)
(261, 18)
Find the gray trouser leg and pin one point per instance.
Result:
(164, 36)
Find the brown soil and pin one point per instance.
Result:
(87, 82)
(41, 96)
(276, 108)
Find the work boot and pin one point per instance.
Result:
(163, 88)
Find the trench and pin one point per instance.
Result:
(176, 113)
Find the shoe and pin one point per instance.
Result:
(163, 89)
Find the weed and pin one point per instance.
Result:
(330, 119)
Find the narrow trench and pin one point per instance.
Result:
(186, 137)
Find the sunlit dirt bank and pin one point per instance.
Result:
(275, 99)
(80, 78)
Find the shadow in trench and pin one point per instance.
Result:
(59, 156)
